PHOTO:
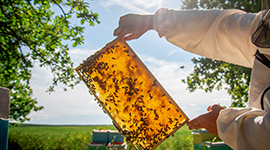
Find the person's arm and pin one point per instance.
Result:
(216, 34)
(244, 128)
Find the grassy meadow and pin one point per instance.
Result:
(39, 137)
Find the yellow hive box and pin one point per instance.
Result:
(201, 136)
(139, 106)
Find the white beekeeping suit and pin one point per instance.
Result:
(226, 35)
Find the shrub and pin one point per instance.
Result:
(28, 141)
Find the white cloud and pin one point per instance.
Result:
(175, 51)
(41, 75)
(40, 115)
(138, 6)
(192, 105)
(78, 55)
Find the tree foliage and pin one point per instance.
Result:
(31, 32)
(211, 74)
(246, 5)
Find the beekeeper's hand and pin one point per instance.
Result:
(132, 26)
(207, 120)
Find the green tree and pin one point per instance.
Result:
(31, 32)
(211, 74)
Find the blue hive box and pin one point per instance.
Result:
(115, 136)
(100, 136)
(3, 134)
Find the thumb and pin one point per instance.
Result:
(214, 107)
(209, 108)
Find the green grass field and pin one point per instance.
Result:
(57, 129)
(32, 137)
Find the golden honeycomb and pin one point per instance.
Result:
(139, 106)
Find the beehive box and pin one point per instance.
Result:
(115, 137)
(139, 106)
(201, 135)
(100, 136)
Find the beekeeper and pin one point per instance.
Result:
(221, 35)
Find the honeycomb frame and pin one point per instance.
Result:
(139, 106)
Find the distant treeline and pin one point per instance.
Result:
(53, 125)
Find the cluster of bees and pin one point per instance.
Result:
(136, 102)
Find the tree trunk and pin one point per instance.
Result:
(4, 102)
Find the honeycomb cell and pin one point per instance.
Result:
(139, 106)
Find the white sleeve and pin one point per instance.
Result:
(244, 129)
(216, 34)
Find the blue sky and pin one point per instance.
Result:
(162, 58)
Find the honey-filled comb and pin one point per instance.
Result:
(139, 106)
